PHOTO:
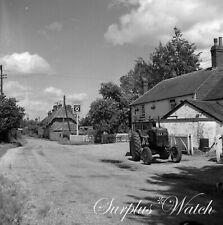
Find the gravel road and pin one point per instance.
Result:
(98, 184)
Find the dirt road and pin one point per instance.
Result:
(98, 184)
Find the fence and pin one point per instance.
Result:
(184, 142)
(113, 138)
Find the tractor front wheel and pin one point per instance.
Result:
(147, 155)
(164, 154)
(176, 154)
(135, 146)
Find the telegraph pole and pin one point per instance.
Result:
(2, 76)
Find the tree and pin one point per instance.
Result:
(85, 121)
(132, 83)
(10, 116)
(175, 58)
(111, 91)
(109, 113)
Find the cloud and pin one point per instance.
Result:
(70, 97)
(33, 107)
(26, 63)
(206, 58)
(77, 97)
(55, 27)
(15, 89)
(38, 102)
(125, 3)
(53, 91)
(149, 21)
(26, 98)
(50, 29)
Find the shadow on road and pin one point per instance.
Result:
(189, 182)
(120, 164)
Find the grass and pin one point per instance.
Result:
(12, 202)
(4, 148)
(12, 198)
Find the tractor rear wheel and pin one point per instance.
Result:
(176, 154)
(135, 146)
(147, 155)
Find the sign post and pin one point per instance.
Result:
(77, 109)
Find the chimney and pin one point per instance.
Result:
(217, 53)
(54, 108)
(145, 86)
(59, 106)
(49, 113)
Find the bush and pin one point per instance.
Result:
(10, 117)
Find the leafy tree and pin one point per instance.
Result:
(10, 116)
(111, 91)
(85, 121)
(132, 83)
(175, 58)
(109, 113)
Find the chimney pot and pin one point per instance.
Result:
(220, 41)
(217, 53)
(55, 107)
(215, 41)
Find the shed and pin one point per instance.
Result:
(200, 119)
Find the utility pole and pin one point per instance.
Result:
(2, 76)
(63, 116)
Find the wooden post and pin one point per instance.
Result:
(63, 116)
(192, 144)
(77, 124)
(188, 145)
(218, 148)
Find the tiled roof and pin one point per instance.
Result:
(200, 82)
(58, 126)
(60, 113)
(211, 109)
(217, 91)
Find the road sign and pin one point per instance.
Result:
(77, 108)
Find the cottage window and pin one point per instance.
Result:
(143, 111)
(172, 103)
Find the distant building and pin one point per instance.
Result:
(59, 122)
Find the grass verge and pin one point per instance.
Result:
(12, 201)
(5, 146)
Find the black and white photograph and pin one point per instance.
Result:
(111, 112)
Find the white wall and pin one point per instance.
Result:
(198, 130)
(161, 108)
(186, 111)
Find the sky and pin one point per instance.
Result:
(51, 48)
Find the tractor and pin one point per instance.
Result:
(147, 140)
